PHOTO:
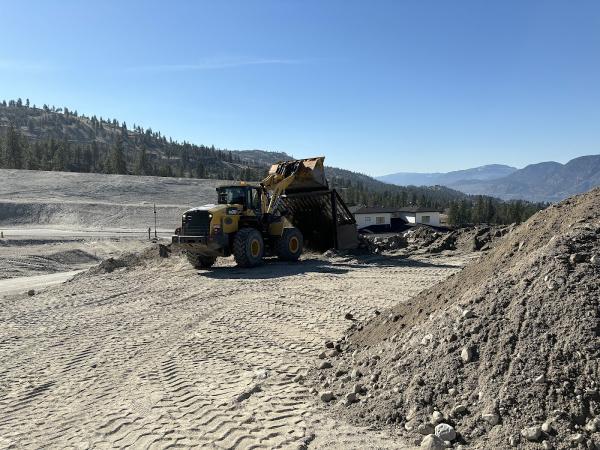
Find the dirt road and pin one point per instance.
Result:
(162, 355)
(55, 232)
(23, 284)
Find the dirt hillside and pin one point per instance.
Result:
(92, 200)
(504, 354)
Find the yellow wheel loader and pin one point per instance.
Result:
(253, 221)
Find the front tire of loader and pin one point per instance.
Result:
(248, 247)
(289, 245)
(200, 261)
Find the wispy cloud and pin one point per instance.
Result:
(24, 66)
(213, 64)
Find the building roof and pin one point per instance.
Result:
(375, 210)
(355, 208)
(417, 209)
(405, 209)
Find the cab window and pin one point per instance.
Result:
(232, 195)
(255, 199)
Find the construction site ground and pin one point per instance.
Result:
(159, 355)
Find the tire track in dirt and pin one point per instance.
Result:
(162, 355)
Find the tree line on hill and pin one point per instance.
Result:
(481, 209)
(51, 138)
(58, 139)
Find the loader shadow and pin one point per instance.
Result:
(274, 269)
(364, 261)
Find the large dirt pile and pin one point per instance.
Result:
(503, 354)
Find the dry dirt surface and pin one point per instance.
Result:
(504, 354)
(90, 200)
(48, 258)
(154, 354)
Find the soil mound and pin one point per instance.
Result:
(72, 257)
(131, 259)
(503, 354)
(423, 239)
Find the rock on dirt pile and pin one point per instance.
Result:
(504, 354)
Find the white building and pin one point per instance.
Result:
(425, 216)
(383, 219)
(368, 216)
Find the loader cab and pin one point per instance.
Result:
(248, 196)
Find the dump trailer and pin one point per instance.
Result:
(323, 219)
(292, 207)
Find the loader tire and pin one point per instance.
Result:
(200, 261)
(289, 245)
(248, 247)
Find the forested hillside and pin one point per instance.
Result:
(60, 139)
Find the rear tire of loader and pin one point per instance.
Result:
(200, 261)
(289, 245)
(248, 247)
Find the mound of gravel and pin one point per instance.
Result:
(503, 354)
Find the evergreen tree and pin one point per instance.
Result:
(116, 163)
(13, 153)
(95, 157)
(30, 160)
(60, 158)
(141, 163)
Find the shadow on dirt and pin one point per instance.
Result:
(274, 269)
(364, 261)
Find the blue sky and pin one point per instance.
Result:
(375, 86)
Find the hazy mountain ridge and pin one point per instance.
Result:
(546, 181)
(487, 172)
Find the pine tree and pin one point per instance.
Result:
(117, 157)
(95, 157)
(60, 159)
(13, 149)
(30, 160)
(141, 163)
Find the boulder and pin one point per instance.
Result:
(532, 433)
(432, 442)
(445, 432)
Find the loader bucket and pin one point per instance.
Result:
(309, 174)
(323, 219)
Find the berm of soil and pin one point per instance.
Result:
(505, 354)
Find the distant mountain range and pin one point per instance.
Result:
(489, 172)
(546, 181)
(542, 182)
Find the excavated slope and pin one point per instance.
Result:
(506, 352)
